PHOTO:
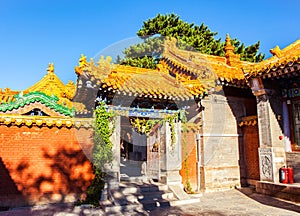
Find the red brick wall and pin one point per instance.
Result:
(251, 142)
(43, 164)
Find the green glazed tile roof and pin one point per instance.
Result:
(49, 101)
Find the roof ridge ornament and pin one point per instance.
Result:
(232, 59)
(228, 46)
(50, 68)
(82, 65)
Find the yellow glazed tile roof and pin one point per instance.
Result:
(199, 64)
(136, 81)
(50, 84)
(145, 82)
(230, 68)
(7, 95)
(97, 71)
(192, 73)
(282, 62)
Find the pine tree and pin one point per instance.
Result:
(192, 37)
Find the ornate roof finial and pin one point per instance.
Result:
(228, 47)
(82, 61)
(232, 59)
(50, 68)
(82, 64)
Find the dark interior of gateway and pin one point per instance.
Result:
(140, 154)
(133, 145)
(133, 150)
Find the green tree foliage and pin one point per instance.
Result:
(198, 38)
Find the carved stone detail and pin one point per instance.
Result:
(265, 164)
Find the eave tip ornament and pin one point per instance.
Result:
(276, 51)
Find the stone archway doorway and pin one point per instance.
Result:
(139, 153)
(157, 156)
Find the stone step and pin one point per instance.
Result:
(137, 195)
(289, 192)
(128, 188)
(141, 196)
(112, 209)
(139, 179)
(124, 199)
(142, 205)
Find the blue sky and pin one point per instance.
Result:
(34, 33)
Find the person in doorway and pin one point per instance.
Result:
(123, 152)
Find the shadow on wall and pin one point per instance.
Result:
(8, 189)
(60, 175)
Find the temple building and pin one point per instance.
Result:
(200, 122)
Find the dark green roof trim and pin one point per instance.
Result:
(49, 101)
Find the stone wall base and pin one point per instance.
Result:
(220, 178)
(252, 182)
(171, 178)
(284, 191)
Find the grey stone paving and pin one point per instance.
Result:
(229, 203)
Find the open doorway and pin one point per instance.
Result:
(133, 151)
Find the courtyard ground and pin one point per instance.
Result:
(226, 203)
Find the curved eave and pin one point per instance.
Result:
(280, 70)
(146, 94)
(227, 75)
(282, 63)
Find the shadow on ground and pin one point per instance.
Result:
(272, 201)
(54, 209)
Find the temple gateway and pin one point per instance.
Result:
(241, 117)
(198, 122)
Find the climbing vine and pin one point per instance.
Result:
(171, 119)
(102, 152)
(145, 125)
(104, 127)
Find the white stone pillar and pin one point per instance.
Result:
(113, 171)
(173, 157)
